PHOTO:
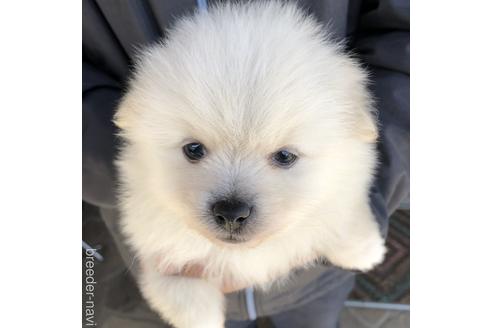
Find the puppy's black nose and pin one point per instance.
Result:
(231, 214)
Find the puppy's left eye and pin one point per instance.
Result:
(194, 151)
(284, 158)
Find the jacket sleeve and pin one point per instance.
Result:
(382, 40)
(100, 95)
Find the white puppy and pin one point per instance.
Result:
(249, 150)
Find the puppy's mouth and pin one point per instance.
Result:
(232, 238)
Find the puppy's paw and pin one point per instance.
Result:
(362, 255)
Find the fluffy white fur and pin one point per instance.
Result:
(246, 81)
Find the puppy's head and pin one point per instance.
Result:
(240, 134)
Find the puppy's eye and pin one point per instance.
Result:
(194, 151)
(284, 158)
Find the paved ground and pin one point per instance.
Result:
(371, 318)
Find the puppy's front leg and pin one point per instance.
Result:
(355, 241)
(184, 302)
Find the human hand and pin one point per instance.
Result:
(196, 271)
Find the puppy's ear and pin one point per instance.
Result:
(125, 114)
(361, 110)
(365, 125)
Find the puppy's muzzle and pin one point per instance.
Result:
(231, 214)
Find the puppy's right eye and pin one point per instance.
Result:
(284, 158)
(194, 151)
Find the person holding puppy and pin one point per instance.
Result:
(313, 297)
